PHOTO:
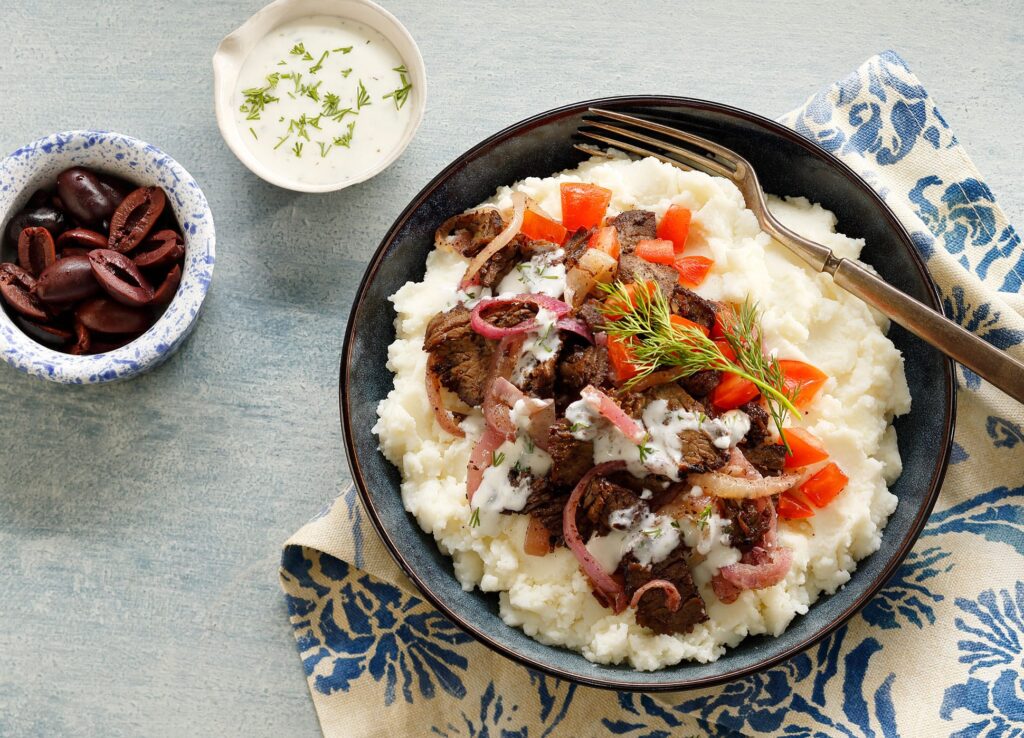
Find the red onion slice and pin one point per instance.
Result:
(610, 409)
(501, 397)
(673, 600)
(480, 459)
(608, 590)
(577, 326)
(742, 488)
(767, 568)
(443, 415)
(498, 242)
(479, 324)
(504, 363)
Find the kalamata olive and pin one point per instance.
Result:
(36, 250)
(16, 287)
(134, 218)
(84, 197)
(118, 275)
(106, 316)
(83, 339)
(37, 216)
(68, 280)
(81, 238)
(161, 249)
(168, 288)
(50, 335)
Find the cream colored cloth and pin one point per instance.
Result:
(940, 651)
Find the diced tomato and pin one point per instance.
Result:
(675, 227)
(823, 487)
(733, 391)
(615, 304)
(620, 353)
(583, 205)
(725, 347)
(605, 239)
(542, 228)
(656, 251)
(804, 449)
(723, 315)
(804, 378)
(680, 322)
(692, 269)
(792, 507)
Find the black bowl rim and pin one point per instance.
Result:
(612, 683)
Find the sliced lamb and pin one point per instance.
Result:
(701, 383)
(700, 454)
(571, 458)
(602, 498)
(539, 379)
(767, 458)
(590, 313)
(688, 304)
(634, 269)
(759, 420)
(749, 521)
(652, 611)
(545, 504)
(583, 365)
(460, 356)
(634, 403)
(633, 226)
(468, 233)
(575, 245)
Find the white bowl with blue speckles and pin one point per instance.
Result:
(36, 166)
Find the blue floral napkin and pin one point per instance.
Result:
(940, 650)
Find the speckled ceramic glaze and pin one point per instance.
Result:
(37, 165)
(787, 164)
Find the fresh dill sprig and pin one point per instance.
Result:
(362, 97)
(401, 94)
(297, 149)
(319, 64)
(299, 50)
(346, 139)
(644, 320)
(474, 519)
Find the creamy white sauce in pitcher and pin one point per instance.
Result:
(322, 98)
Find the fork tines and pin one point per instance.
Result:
(698, 153)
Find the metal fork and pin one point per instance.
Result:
(1001, 370)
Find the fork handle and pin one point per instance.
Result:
(997, 367)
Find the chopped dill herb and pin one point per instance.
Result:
(578, 427)
(362, 97)
(254, 134)
(343, 49)
(346, 72)
(282, 140)
(401, 94)
(474, 519)
(705, 515)
(644, 449)
(299, 50)
(311, 92)
(282, 63)
(346, 139)
(256, 99)
(297, 149)
(529, 445)
(324, 148)
(652, 532)
(497, 459)
(319, 64)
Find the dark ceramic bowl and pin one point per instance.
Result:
(787, 165)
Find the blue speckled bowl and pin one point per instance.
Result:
(787, 164)
(37, 165)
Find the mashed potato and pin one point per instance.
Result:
(804, 316)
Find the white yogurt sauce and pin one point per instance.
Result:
(299, 127)
(663, 449)
(543, 274)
